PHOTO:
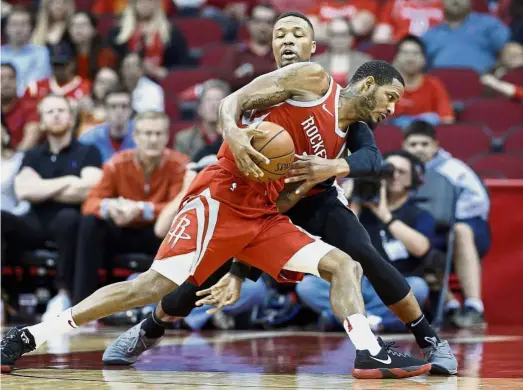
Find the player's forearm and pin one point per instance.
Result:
(365, 159)
(288, 197)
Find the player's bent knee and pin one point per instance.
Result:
(336, 262)
(149, 287)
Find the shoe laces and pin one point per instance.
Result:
(389, 347)
(442, 351)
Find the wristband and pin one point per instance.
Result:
(391, 220)
(240, 270)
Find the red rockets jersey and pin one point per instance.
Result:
(312, 125)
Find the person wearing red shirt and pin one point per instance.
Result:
(360, 13)
(64, 81)
(20, 115)
(425, 96)
(399, 18)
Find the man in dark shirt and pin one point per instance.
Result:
(54, 178)
(399, 230)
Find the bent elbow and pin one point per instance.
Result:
(377, 160)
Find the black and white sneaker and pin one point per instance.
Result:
(388, 364)
(16, 342)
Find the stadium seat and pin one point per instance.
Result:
(243, 33)
(461, 84)
(499, 165)
(388, 138)
(513, 140)
(382, 51)
(105, 24)
(83, 5)
(464, 140)
(200, 32)
(171, 108)
(499, 114)
(212, 56)
(179, 80)
(514, 77)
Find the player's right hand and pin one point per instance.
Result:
(239, 141)
(224, 293)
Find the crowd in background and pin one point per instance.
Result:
(103, 128)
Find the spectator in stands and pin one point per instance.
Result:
(399, 229)
(116, 134)
(146, 94)
(399, 18)
(51, 22)
(20, 115)
(472, 233)
(341, 61)
(425, 97)
(116, 7)
(91, 55)
(361, 15)
(55, 179)
(511, 58)
(64, 80)
(507, 89)
(93, 106)
(249, 60)
(466, 39)
(144, 27)
(511, 12)
(229, 13)
(205, 134)
(31, 61)
(121, 210)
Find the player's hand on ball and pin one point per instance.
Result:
(239, 141)
(312, 170)
(224, 293)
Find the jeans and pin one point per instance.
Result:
(314, 293)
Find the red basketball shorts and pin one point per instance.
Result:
(222, 218)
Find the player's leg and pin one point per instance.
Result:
(343, 230)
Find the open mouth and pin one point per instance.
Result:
(288, 54)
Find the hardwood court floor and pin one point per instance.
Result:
(489, 359)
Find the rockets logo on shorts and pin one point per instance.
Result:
(177, 232)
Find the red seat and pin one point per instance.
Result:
(388, 138)
(213, 55)
(499, 114)
(200, 32)
(461, 84)
(180, 80)
(515, 76)
(382, 51)
(171, 108)
(513, 140)
(464, 140)
(502, 165)
(105, 24)
(243, 33)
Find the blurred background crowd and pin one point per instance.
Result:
(109, 108)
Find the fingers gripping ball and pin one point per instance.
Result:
(278, 147)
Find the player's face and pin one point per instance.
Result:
(55, 115)
(402, 177)
(410, 59)
(8, 78)
(151, 136)
(208, 107)
(292, 41)
(377, 102)
(118, 109)
(422, 146)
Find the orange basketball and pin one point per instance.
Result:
(278, 147)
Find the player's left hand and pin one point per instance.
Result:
(311, 170)
(381, 210)
(224, 293)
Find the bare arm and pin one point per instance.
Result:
(31, 187)
(77, 191)
(288, 197)
(31, 136)
(415, 242)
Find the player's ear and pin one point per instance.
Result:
(368, 83)
(313, 47)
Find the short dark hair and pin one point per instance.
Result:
(9, 66)
(420, 128)
(414, 39)
(383, 72)
(116, 90)
(296, 15)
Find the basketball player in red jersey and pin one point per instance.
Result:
(222, 200)
(322, 212)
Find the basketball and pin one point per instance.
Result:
(278, 147)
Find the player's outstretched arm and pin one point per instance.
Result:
(304, 79)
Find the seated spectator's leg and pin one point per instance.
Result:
(19, 233)
(420, 289)
(92, 237)
(472, 242)
(314, 293)
(252, 294)
(64, 230)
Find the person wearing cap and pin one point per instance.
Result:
(64, 80)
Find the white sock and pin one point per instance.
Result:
(452, 304)
(358, 328)
(475, 303)
(61, 324)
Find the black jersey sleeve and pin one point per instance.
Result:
(365, 158)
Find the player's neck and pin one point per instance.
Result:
(347, 109)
